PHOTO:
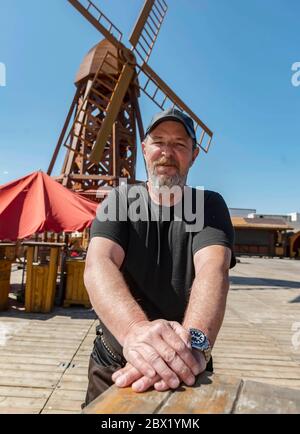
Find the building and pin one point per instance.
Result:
(265, 234)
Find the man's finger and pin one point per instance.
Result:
(161, 386)
(175, 362)
(177, 338)
(137, 358)
(144, 383)
(164, 371)
(182, 333)
(121, 371)
(126, 376)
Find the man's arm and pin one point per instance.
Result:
(205, 310)
(152, 347)
(207, 302)
(107, 288)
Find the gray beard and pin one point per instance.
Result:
(167, 181)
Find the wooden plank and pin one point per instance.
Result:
(77, 370)
(12, 404)
(284, 370)
(235, 355)
(54, 355)
(59, 411)
(68, 394)
(29, 279)
(125, 401)
(19, 410)
(24, 392)
(21, 367)
(51, 284)
(211, 394)
(66, 403)
(264, 374)
(69, 385)
(41, 344)
(263, 398)
(293, 383)
(23, 381)
(49, 352)
(258, 361)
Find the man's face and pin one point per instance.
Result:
(168, 152)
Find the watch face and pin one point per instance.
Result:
(198, 339)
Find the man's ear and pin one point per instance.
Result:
(195, 155)
(143, 148)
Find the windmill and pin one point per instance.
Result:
(100, 132)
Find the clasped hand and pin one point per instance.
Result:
(158, 354)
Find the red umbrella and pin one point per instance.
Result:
(37, 203)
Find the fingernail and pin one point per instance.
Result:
(190, 381)
(174, 383)
(120, 381)
(137, 387)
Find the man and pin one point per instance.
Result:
(158, 285)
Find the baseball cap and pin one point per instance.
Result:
(173, 114)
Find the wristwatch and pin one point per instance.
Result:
(200, 342)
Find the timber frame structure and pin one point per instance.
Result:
(104, 120)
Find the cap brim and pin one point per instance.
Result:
(172, 118)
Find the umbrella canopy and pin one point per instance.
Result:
(37, 203)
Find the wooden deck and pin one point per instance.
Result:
(44, 357)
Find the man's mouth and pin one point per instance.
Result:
(166, 165)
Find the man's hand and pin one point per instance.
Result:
(131, 376)
(159, 350)
(161, 347)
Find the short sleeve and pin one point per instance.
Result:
(111, 219)
(217, 229)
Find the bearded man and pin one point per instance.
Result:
(157, 269)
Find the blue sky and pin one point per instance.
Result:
(229, 60)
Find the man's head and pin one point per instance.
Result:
(169, 148)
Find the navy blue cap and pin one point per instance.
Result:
(173, 114)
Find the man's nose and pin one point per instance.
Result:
(167, 149)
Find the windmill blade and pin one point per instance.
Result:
(112, 111)
(147, 27)
(93, 14)
(162, 95)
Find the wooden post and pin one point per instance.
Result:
(51, 283)
(29, 278)
(41, 278)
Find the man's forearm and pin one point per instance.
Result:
(206, 307)
(111, 298)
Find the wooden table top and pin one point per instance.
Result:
(212, 393)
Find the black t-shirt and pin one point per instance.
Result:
(158, 265)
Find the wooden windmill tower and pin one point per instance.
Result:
(100, 132)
